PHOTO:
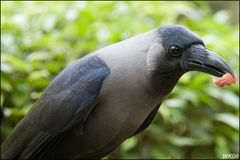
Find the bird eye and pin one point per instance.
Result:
(175, 51)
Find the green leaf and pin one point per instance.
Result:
(129, 144)
(228, 119)
(17, 63)
(222, 147)
(188, 141)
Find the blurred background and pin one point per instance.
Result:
(198, 120)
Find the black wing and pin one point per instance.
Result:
(65, 103)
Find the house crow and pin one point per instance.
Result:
(104, 98)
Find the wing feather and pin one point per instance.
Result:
(65, 103)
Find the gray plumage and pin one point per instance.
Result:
(92, 106)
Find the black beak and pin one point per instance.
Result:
(203, 60)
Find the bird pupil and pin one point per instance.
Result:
(175, 50)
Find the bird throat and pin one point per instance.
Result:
(162, 83)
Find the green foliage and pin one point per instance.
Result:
(39, 39)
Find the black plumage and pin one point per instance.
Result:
(73, 92)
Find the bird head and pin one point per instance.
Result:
(180, 51)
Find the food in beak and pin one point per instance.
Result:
(226, 80)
